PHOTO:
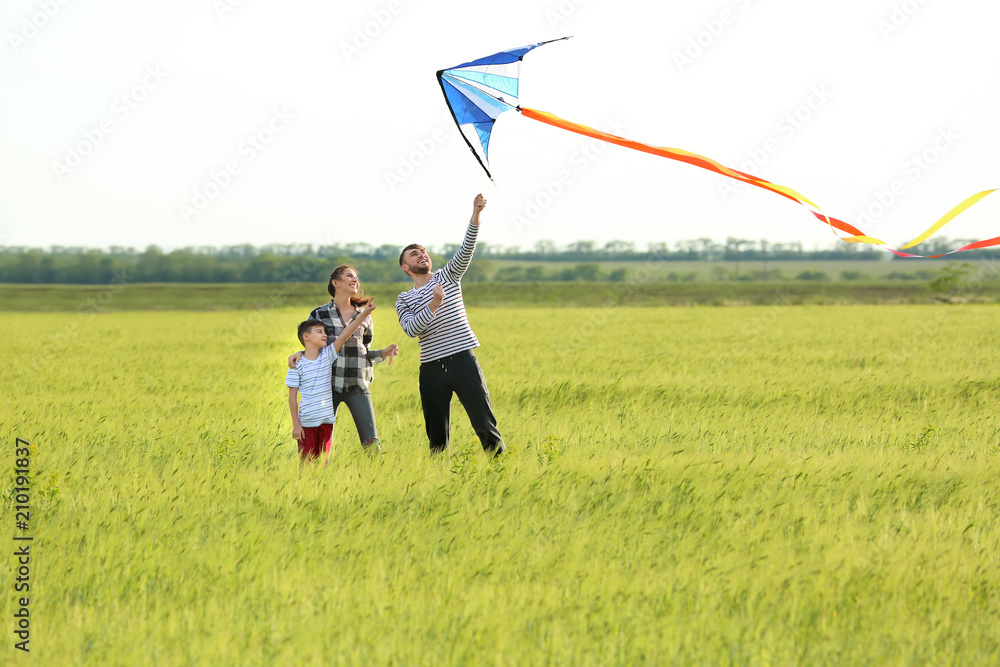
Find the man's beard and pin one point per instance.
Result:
(420, 270)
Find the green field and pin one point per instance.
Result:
(89, 300)
(660, 270)
(760, 485)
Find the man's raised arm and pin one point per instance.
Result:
(459, 264)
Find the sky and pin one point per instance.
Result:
(221, 122)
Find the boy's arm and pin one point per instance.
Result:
(293, 406)
(352, 326)
(459, 264)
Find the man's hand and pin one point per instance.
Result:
(478, 204)
(294, 359)
(438, 298)
(298, 432)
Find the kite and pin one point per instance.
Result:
(478, 91)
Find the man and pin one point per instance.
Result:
(433, 309)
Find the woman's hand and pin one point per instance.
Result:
(369, 308)
(294, 359)
(390, 352)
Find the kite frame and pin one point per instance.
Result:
(440, 74)
(440, 80)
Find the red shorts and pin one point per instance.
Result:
(316, 442)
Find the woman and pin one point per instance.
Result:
(352, 372)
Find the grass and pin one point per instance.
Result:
(89, 300)
(705, 270)
(759, 485)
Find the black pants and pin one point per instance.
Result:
(459, 374)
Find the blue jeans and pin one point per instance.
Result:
(359, 402)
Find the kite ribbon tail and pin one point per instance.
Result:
(854, 235)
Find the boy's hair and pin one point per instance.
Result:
(410, 247)
(307, 326)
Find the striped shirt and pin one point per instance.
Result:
(354, 365)
(312, 377)
(447, 331)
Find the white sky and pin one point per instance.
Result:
(894, 76)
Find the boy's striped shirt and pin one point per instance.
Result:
(312, 377)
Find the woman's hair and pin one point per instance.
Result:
(360, 299)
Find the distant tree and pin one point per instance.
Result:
(359, 249)
(152, 265)
(534, 273)
(387, 251)
(689, 248)
(511, 274)
(619, 247)
(720, 273)
(581, 247)
(733, 248)
(812, 275)
(950, 277)
(707, 249)
(545, 247)
(588, 272)
(479, 271)
(657, 249)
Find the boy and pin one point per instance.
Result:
(313, 416)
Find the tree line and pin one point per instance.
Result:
(303, 262)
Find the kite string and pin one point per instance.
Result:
(855, 235)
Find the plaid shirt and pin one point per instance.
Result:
(353, 367)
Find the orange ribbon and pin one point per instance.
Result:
(854, 234)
